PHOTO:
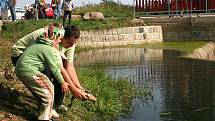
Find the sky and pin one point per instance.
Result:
(21, 3)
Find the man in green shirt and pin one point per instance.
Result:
(67, 47)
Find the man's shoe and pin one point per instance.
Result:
(55, 114)
(63, 108)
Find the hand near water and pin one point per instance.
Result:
(64, 87)
(79, 93)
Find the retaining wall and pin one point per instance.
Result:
(185, 28)
(206, 52)
(121, 36)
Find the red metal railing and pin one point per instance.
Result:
(173, 5)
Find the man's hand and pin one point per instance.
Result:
(81, 88)
(64, 87)
(79, 93)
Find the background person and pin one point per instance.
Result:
(4, 10)
(12, 4)
(67, 6)
(41, 6)
(55, 6)
(29, 12)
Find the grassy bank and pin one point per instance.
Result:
(108, 10)
(113, 97)
(14, 31)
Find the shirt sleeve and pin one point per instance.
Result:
(69, 53)
(51, 62)
(23, 43)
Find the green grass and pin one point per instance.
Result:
(114, 97)
(14, 31)
(108, 10)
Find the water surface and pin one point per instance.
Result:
(181, 89)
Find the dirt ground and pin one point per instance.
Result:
(4, 116)
(16, 102)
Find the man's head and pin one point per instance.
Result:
(71, 36)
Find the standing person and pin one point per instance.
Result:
(66, 46)
(4, 9)
(41, 8)
(67, 10)
(58, 9)
(28, 69)
(55, 6)
(12, 4)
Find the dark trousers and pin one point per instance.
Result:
(66, 13)
(59, 95)
(13, 12)
(42, 12)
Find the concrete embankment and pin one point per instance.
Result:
(206, 52)
(185, 28)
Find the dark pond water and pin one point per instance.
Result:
(181, 89)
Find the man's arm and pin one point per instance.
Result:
(77, 92)
(72, 73)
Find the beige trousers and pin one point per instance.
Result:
(41, 87)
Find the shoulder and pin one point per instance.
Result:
(38, 31)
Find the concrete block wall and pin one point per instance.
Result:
(185, 28)
(204, 35)
(121, 36)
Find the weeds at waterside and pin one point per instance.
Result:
(114, 97)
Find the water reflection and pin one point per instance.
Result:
(182, 89)
(118, 56)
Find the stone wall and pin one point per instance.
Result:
(185, 28)
(121, 36)
(206, 52)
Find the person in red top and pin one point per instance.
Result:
(41, 8)
(55, 7)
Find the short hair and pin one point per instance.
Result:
(54, 25)
(71, 31)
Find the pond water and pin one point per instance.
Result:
(181, 89)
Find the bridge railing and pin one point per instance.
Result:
(176, 13)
